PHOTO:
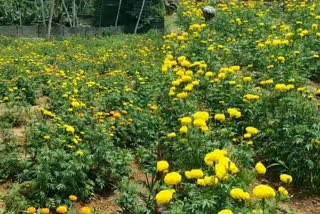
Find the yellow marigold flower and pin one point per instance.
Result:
(80, 153)
(232, 82)
(172, 135)
(184, 130)
(301, 89)
(281, 87)
(247, 136)
(182, 95)
(46, 137)
(75, 104)
(211, 48)
(260, 168)
(233, 168)
(185, 63)
(290, 86)
(263, 192)
(69, 129)
(165, 196)
(201, 115)
(32, 210)
(186, 78)
(204, 128)
(181, 58)
(195, 82)
(250, 142)
(286, 178)
(235, 68)
(45, 211)
(162, 166)
(247, 79)
(220, 117)
(171, 93)
(176, 82)
(172, 178)
(281, 59)
(266, 82)
(196, 173)
(201, 182)
(225, 211)
(210, 180)
(221, 76)
(116, 115)
(188, 174)
(238, 193)
(252, 130)
(188, 87)
(199, 123)
(221, 171)
(233, 112)
(85, 210)
(214, 156)
(283, 191)
(209, 74)
(185, 121)
(62, 209)
(250, 97)
(73, 198)
(200, 72)
(318, 92)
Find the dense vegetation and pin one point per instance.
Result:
(75, 13)
(207, 111)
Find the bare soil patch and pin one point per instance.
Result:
(19, 134)
(101, 204)
(3, 188)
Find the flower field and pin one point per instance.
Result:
(220, 115)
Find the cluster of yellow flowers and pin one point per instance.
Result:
(238, 193)
(234, 113)
(221, 164)
(260, 168)
(199, 121)
(60, 209)
(165, 196)
(251, 131)
(263, 192)
(162, 166)
(283, 87)
(47, 113)
(70, 129)
(189, 76)
(250, 97)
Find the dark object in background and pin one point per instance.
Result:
(171, 6)
(208, 12)
(152, 15)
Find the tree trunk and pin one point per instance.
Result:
(66, 9)
(74, 14)
(140, 14)
(43, 15)
(100, 15)
(50, 18)
(20, 17)
(118, 13)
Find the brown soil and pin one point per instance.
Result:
(19, 134)
(101, 205)
(40, 102)
(3, 188)
(305, 204)
(137, 173)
